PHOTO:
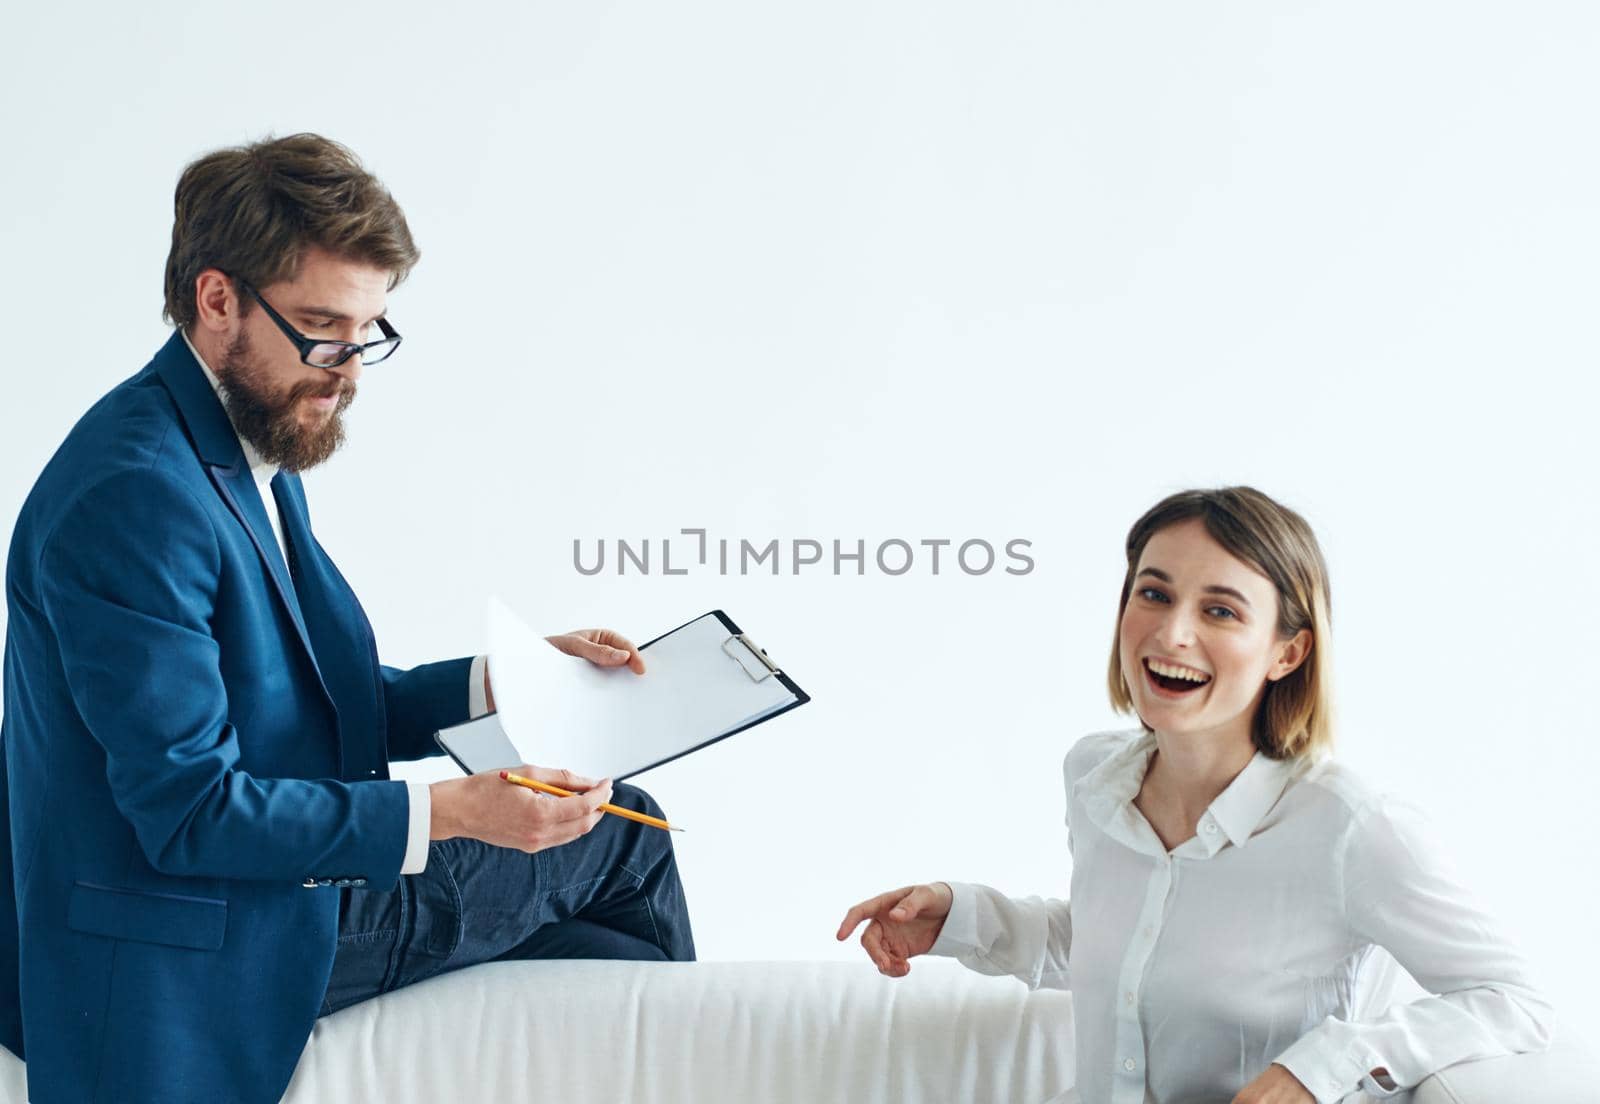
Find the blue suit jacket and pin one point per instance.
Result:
(191, 732)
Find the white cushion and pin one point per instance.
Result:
(774, 1032)
(676, 1033)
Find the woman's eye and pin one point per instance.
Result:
(1152, 594)
(1221, 612)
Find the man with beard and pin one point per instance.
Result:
(202, 849)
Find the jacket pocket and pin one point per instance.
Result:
(166, 918)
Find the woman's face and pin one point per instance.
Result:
(1199, 636)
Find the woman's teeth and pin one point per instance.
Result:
(1168, 670)
(1174, 679)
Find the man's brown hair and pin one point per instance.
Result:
(253, 210)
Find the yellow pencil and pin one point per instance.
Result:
(614, 810)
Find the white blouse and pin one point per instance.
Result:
(1255, 941)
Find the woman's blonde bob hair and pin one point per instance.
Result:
(1295, 719)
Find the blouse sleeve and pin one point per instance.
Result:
(1400, 895)
(1028, 938)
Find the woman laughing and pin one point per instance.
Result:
(1238, 899)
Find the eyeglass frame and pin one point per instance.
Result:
(391, 336)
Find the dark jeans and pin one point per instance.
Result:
(613, 893)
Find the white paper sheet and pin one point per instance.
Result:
(609, 722)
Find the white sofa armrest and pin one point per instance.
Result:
(1564, 1074)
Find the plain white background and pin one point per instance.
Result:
(918, 271)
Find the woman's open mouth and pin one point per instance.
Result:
(1169, 680)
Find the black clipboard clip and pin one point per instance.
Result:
(742, 650)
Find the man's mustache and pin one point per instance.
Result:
(303, 390)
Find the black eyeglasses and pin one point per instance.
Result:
(330, 354)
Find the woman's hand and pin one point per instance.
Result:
(602, 647)
(904, 923)
(1276, 1086)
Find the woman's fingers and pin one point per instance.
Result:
(883, 952)
(869, 943)
(931, 902)
(852, 920)
(911, 904)
(872, 943)
(884, 941)
(869, 909)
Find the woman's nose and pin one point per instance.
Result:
(1177, 629)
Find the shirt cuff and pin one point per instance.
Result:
(477, 699)
(421, 816)
(959, 935)
(1374, 1088)
(1328, 1074)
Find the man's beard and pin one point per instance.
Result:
(268, 420)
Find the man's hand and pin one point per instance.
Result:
(602, 647)
(1276, 1086)
(486, 807)
(905, 923)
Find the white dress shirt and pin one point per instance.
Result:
(420, 810)
(1255, 941)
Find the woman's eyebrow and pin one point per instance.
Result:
(1213, 589)
(1230, 592)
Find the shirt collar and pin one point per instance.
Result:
(261, 470)
(1108, 791)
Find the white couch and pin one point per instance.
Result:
(752, 1033)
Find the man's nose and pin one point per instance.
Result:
(350, 369)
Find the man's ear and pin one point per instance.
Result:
(1291, 654)
(216, 302)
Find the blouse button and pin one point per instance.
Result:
(1128, 996)
(1128, 1064)
(1211, 826)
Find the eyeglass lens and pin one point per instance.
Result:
(328, 354)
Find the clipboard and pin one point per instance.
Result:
(479, 745)
(753, 659)
(714, 682)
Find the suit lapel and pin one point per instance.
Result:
(341, 635)
(238, 489)
(218, 446)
